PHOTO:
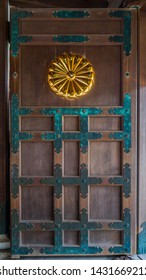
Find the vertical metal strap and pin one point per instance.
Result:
(127, 123)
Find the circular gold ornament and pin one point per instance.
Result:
(70, 76)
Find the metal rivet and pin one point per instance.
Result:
(15, 75)
(127, 74)
(126, 135)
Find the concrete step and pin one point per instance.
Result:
(4, 242)
(5, 255)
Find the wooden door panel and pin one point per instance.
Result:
(35, 238)
(37, 124)
(73, 162)
(111, 196)
(37, 83)
(106, 238)
(71, 202)
(34, 198)
(59, 27)
(34, 163)
(104, 158)
(103, 123)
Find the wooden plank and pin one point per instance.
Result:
(142, 136)
(57, 3)
(3, 116)
(130, 86)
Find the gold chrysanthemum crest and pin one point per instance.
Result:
(70, 76)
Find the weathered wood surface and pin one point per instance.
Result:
(3, 116)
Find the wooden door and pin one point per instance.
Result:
(73, 161)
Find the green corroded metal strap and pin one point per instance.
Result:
(16, 227)
(126, 38)
(127, 230)
(25, 136)
(119, 180)
(58, 131)
(70, 250)
(124, 180)
(70, 38)
(125, 111)
(127, 180)
(85, 136)
(84, 133)
(72, 111)
(117, 135)
(127, 123)
(48, 226)
(15, 112)
(141, 240)
(84, 180)
(16, 181)
(15, 38)
(123, 224)
(58, 180)
(15, 231)
(116, 39)
(25, 111)
(70, 14)
(117, 111)
(84, 231)
(117, 225)
(15, 123)
(126, 226)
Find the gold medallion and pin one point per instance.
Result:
(70, 76)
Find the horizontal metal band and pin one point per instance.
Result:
(70, 14)
(70, 38)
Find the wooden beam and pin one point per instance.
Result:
(115, 3)
(59, 3)
(3, 115)
(142, 134)
(139, 3)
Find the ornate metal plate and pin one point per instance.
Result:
(70, 76)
